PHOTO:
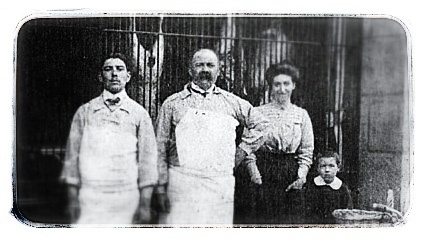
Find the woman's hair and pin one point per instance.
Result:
(328, 154)
(285, 68)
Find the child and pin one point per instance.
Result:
(326, 192)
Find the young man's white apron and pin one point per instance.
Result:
(108, 168)
(201, 188)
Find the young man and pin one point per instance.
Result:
(111, 157)
(196, 132)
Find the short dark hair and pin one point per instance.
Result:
(328, 154)
(120, 56)
(284, 67)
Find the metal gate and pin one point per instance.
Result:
(161, 48)
(58, 61)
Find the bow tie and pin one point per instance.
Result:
(113, 101)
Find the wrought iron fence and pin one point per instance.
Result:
(58, 62)
(57, 71)
(247, 46)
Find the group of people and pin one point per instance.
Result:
(118, 166)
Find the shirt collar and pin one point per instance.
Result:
(335, 184)
(280, 107)
(187, 90)
(108, 95)
(200, 90)
(100, 102)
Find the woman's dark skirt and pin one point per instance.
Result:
(269, 203)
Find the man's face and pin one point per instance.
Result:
(204, 69)
(328, 169)
(114, 75)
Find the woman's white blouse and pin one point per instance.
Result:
(290, 131)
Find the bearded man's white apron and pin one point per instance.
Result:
(201, 188)
(109, 173)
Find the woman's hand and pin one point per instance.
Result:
(298, 184)
(256, 179)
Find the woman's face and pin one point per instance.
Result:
(282, 87)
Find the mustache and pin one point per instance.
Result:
(279, 93)
(205, 75)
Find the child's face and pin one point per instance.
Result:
(328, 169)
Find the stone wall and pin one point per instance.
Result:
(384, 134)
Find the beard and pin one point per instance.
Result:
(205, 76)
(204, 80)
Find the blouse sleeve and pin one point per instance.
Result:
(305, 151)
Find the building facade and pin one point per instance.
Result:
(354, 84)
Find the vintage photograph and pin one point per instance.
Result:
(212, 120)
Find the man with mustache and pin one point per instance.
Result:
(111, 157)
(196, 136)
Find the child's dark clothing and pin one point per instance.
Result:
(322, 199)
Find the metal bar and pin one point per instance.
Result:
(232, 55)
(225, 49)
(191, 31)
(158, 71)
(139, 83)
(220, 42)
(201, 25)
(178, 23)
(144, 76)
(211, 36)
(338, 83)
(270, 62)
(119, 38)
(341, 96)
(329, 51)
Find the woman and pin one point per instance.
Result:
(286, 156)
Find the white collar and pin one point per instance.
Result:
(198, 89)
(335, 184)
(108, 95)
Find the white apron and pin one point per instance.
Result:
(201, 188)
(109, 172)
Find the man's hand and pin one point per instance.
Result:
(163, 202)
(297, 184)
(143, 216)
(240, 155)
(73, 207)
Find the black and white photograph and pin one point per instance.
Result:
(212, 120)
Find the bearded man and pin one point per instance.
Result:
(196, 133)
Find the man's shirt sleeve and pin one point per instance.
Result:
(163, 132)
(256, 127)
(147, 153)
(70, 171)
